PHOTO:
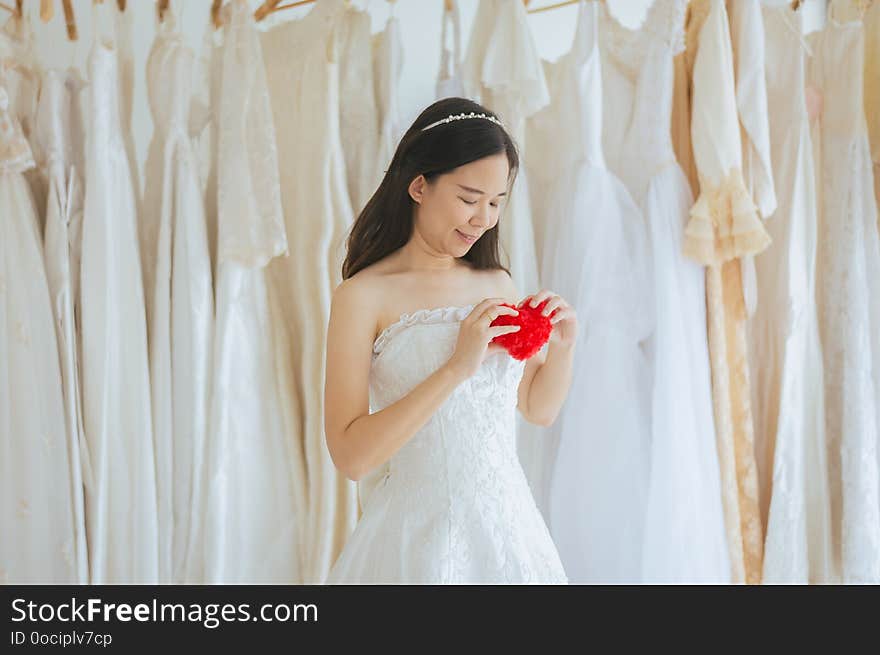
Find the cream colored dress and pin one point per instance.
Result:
(724, 226)
(786, 355)
(849, 297)
(39, 513)
(359, 123)
(302, 59)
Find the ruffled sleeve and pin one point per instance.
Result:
(724, 222)
(15, 151)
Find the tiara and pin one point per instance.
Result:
(458, 117)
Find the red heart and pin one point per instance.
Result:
(533, 333)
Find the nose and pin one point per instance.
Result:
(482, 216)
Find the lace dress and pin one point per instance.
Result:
(784, 331)
(848, 280)
(452, 505)
(253, 491)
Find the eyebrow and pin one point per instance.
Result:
(472, 190)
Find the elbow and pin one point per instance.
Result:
(544, 421)
(346, 465)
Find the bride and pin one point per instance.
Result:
(420, 407)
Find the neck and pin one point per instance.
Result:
(417, 255)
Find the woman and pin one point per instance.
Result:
(443, 496)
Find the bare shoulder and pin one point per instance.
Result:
(356, 297)
(504, 285)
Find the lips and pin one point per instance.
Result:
(466, 237)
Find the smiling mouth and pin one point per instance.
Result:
(466, 237)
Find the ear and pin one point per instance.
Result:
(417, 188)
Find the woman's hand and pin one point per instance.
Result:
(564, 319)
(475, 335)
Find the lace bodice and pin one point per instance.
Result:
(472, 435)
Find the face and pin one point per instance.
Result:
(457, 208)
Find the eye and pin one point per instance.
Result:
(468, 202)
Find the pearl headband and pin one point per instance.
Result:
(458, 117)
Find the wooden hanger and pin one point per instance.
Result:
(267, 8)
(161, 8)
(69, 19)
(47, 10)
(795, 5)
(556, 6)
(216, 14)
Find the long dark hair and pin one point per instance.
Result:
(386, 222)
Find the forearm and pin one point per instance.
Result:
(551, 384)
(372, 439)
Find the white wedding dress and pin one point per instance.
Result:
(182, 308)
(121, 513)
(453, 504)
(41, 532)
(848, 284)
(596, 255)
(684, 525)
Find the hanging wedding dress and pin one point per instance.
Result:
(786, 356)
(868, 13)
(121, 504)
(359, 123)
(723, 227)
(183, 304)
(849, 298)
(302, 66)
(452, 506)
(596, 255)
(59, 136)
(449, 82)
(514, 88)
(502, 71)
(38, 483)
(252, 513)
(387, 68)
(684, 527)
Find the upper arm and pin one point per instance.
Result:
(350, 335)
(509, 290)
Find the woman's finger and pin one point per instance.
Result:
(480, 308)
(561, 315)
(498, 330)
(539, 297)
(553, 303)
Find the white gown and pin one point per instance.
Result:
(786, 357)
(452, 506)
(449, 83)
(596, 254)
(121, 504)
(359, 123)
(684, 531)
(59, 133)
(302, 66)
(37, 490)
(181, 321)
(848, 280)
(387, 67)
(251, 528)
